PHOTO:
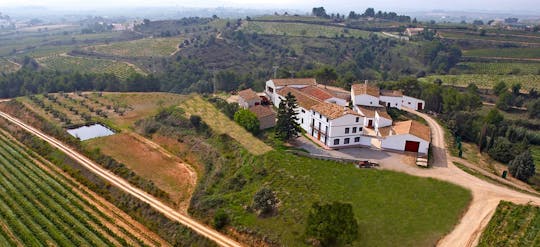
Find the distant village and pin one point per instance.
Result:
(335, 118)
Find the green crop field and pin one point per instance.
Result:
(70, 63)
(513, 225)
(223, 125)
(491, 37)
(38, 208)
(504, 52)
(301, 29)
(293, 18)
(502, 68)
(487, 80)
(140, 48)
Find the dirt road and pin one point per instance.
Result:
(486, 196)
(201, 229)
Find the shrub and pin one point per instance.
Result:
(221, 219)
(248, 120)
(332, 224)
(522, 167)
(265, 201)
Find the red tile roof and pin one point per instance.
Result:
(316, 92)
(364, 88)
(304, 100)
(414, 128)
(261, 111)
(248, 94)
(332, 111)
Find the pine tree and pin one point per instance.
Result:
(522, 167)
(287, 126)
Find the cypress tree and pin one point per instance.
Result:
(287, 126)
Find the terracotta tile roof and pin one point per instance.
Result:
(316, 92)
(294, 81)
(392, 93)
(303, 100)
(262, 111)
(248, 94)
(332, 111)
(365, 88)
(369, 111)
(383, 113)
(385, 131)
(414, 128)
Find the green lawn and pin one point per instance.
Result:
(302, 29)
(487, 80)
(506, 52)
(513, 225)
(390, 207)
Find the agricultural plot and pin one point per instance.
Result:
(502, 68)
(38, 207)
(516, 53)
(148, 47)
(487, 80)
(70, 63)
(491, 37)
(513, 225)
(302, 29)
(223, 125)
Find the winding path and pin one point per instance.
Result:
(486, 196)
(201, 229)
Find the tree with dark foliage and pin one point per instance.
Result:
(332, 224)
(522, 167)
(287, 126)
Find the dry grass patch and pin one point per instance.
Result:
(223, 125)
(168, 172)
(141, 105)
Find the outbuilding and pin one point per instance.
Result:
(409, 136)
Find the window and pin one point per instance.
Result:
(302, 120)
(336, 141)
(346, 130)
(357, 139)
(271, 90)
(360, 129)
(346, 141)
(327, 120)
(303, 111)
(354, 130)
(371, 102)
(357, 119)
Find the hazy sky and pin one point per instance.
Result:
(332, 6)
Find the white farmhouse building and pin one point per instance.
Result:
(410, 136)
(337, 126)
(248, 98)
(325, 116)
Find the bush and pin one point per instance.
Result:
(522, 167)
(502, 150)
(265, 201)
(332, 224)
(248, 120)
(221, 219)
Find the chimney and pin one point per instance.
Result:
(365, 82)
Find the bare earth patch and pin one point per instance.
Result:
(150, 161)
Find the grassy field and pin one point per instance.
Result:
(302, 29)
(506, 52)
(38, 208)
(223, 125)
(513, 225)
(487, 80)
(390, 207)
(522, 37)
(502, 68)
(70, 63)
(167, 172)
(148, 47)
